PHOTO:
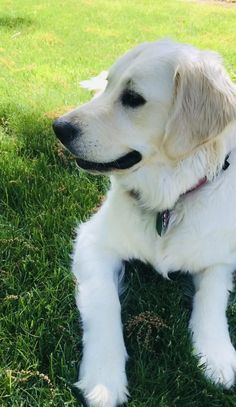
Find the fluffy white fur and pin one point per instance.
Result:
(183, 132)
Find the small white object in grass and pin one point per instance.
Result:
(16, 35)
(97, 84)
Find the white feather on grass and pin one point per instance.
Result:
(97, 84)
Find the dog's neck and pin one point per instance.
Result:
(159, 186)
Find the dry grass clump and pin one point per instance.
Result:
(146, 326)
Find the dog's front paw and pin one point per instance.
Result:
(102, 395)
(218, 361)
(105, 391)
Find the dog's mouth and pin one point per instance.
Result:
(122, 163)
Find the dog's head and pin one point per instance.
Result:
(162, 101)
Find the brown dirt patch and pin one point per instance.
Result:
(223, 3)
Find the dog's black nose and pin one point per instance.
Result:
(65, 131)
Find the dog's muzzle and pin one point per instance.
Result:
(68, 133)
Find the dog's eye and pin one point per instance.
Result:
(132, 99)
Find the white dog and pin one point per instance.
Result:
(164, 130)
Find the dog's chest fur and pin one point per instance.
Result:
(202, 229)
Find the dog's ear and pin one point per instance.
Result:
(204, 103)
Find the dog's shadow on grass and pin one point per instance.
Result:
(145, 278)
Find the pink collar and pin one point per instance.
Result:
(200, 183)
(163, 218)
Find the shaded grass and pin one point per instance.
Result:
(12, 22)
(45, 50)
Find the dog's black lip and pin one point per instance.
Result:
(122, 163)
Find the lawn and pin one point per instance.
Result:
(46, 48)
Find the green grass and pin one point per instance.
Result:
(46, 49)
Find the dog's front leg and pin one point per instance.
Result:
(102, 376)
(209, 326)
